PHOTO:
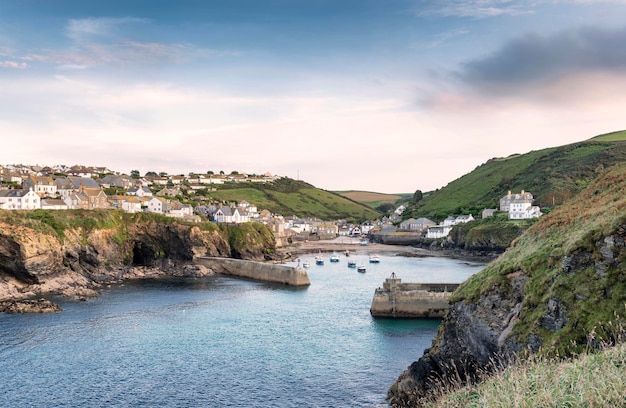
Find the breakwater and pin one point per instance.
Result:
(418, 300)
(288, 275)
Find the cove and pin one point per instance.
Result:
(220, 341)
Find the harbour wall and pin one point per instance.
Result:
(288, 275)
(416, 300)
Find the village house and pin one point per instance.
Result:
(520, 206)
(180, 210)
(87, 199)
(19, 199)
(227, 214)
(417, 225)
(168, 192)
(159, 205)
(139, 192)
(444, 228)
(53, 204)
(44, 186)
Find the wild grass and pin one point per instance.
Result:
(595, 378)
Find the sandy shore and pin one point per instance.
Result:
(341, 244)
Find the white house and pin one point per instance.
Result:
(520, 206)
(230, 214)
(44, 186)
(131, 204)
(438, 231)
(19, 200)
(180, 210)
(159, 205)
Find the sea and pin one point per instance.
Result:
(222, 342)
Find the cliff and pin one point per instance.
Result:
(73, 253)
(556, 290)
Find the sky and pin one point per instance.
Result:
(389, 96)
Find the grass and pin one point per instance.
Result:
(291, 197)
(592, 379)
(574, 232)
(552, 175)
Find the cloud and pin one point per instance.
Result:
(537, 59)
(13, 64)
(81, 30)
(475, 9)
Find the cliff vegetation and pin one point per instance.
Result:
(553, 293)
(74, 252)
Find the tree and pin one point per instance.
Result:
(134, 174)
(417, 196)
(163, 174)
(151, 174)
(210, 172)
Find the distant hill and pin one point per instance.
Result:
(373, 199)
(293, 197)
(552, 175)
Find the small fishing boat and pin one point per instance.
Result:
(306, 264)
(319, 260)
(334, 257)
(374, 258)
(347, 252)
(361, 268)
(351, 264)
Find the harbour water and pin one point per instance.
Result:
(218, 341)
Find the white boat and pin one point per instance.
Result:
(361, 268)
(306, 264)
(351, 264)
(334, 257)
(374, 258)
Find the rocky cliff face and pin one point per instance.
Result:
(34, 263)
(557, 289)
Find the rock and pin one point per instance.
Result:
(29, 306)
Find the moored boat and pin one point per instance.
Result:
(334, 257)
(361, 268)
(351, 264)
(374, 258)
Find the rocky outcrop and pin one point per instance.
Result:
(75, 264)
(551, 309)
(559, 289)
(28, 306)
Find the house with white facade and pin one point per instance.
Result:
(180, 210)
(159, 205)
(438, 231)
(230, 215)
(444, 228)
(44, 186)
(520, 206)
(19, 199)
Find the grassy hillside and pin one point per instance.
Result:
(552, 175)
(573, 257)
(373, 199)
(291, 197)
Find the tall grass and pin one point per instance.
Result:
(595, 378)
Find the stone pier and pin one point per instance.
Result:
(417, 300)
(288, 275)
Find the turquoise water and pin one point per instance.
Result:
(217, 341)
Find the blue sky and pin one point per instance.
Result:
(388, 96)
